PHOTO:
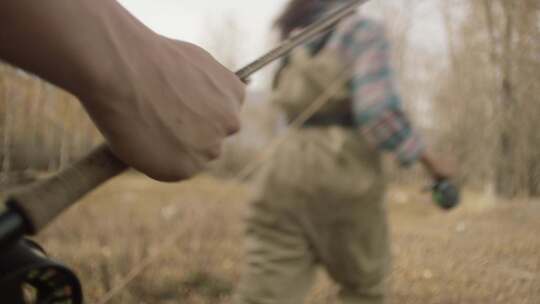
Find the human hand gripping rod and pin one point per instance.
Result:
(28, 210)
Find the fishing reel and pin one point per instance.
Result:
(445, 194)
(28, 276)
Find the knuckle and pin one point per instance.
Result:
(214, 152)
(234, 125)
(190, 169)
(182, 169)
(174, 175)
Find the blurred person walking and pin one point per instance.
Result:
(319, 201)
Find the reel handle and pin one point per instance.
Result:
(26, 265)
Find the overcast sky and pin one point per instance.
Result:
(190, 19)
(197, 20)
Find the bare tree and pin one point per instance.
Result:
(487, 87)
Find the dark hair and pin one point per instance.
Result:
(298, 14)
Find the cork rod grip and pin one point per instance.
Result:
(43, 201)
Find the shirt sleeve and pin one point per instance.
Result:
(376, 102)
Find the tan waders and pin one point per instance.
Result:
(318, 203)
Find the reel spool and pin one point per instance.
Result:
(28, 276)
(445, 194)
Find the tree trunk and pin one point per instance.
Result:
(507, 177)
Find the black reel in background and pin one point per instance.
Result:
(27, 276)
(446, 194)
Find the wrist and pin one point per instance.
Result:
(426, 161)
(109, 56)
(429, 166)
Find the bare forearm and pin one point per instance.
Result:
(427, 162)
(437, 169)
(76, 45)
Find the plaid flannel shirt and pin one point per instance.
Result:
(376, 101)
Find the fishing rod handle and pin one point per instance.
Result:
(44, 200)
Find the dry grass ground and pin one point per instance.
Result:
(481, 253)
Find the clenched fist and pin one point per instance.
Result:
(172, 112)
(164, 106)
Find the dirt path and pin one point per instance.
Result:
(481, 253)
